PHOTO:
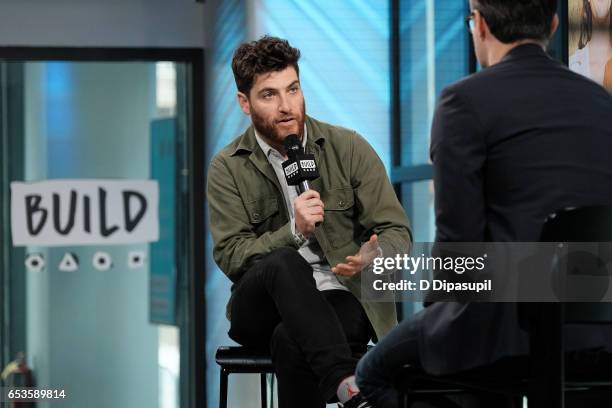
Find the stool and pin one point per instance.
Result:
(243, 360)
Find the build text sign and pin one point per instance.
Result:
(66, 212)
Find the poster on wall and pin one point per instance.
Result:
(590, 39)
(67, 212)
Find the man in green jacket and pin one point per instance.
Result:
(296, 259)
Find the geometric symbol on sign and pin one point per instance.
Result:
(35, 262)
(69, 263)
(136, 259)
(102, 261)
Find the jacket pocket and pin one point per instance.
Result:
(339, 222)
(261, 210)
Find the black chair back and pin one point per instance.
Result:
(546, 320)
(592, 225)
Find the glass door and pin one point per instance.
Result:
(96, 229)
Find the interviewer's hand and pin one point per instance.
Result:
(308, 210)
(364, 257)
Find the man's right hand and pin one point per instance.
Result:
(308, 210)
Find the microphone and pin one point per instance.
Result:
(299, 168)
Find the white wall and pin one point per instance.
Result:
(102, 23)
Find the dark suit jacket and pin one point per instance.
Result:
(510, 145)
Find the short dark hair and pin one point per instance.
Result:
(267, 54)
(586, 24)
(511, 21)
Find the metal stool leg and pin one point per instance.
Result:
(272, 379)
(547, 355)
(223, 388)
(264, 390)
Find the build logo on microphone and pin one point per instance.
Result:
(308, 164)
(291, 169)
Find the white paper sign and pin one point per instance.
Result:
(67, 212)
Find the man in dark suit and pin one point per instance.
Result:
(510, 144)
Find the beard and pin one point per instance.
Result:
(268, 130)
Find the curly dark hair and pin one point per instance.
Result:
(258, 57)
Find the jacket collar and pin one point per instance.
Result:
(267, 149)
(248, 143)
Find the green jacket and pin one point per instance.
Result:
(248, 216)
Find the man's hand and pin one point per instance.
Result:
(364, 257)
(308, 210)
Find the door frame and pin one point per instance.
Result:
(195, 393)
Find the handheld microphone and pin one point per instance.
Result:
(299, 168)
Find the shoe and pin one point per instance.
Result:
(358, 401)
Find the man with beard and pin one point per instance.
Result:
(295, 259)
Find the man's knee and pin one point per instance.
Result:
(282, 344)
(368, 370)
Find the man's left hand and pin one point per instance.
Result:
(365, 256)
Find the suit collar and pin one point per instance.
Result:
(525, 51)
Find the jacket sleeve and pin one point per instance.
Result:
(236, 245)
(379, 210)
(458, 153)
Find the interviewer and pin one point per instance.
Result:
(510, 145)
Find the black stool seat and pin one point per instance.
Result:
(244, 358)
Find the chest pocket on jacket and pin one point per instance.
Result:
(339, 221)
(260, 213)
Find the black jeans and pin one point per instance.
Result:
(315, 337)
